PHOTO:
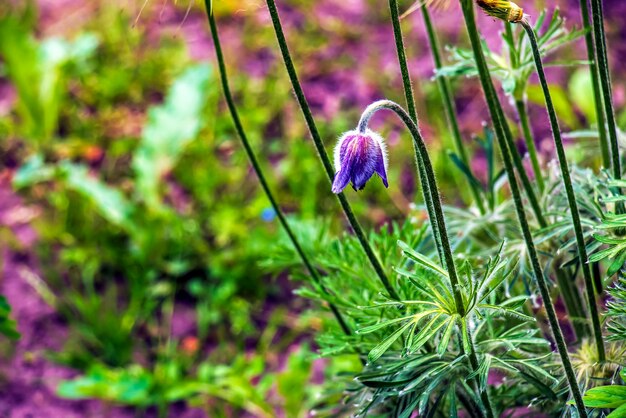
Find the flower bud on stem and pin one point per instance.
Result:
(410, 102)
(319, 145)
(439, 223)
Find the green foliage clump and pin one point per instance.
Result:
(150, 210)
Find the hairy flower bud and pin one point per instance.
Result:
(358, 155)
(502, 9)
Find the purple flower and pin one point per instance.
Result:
(358, 156)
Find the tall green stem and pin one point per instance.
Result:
(507, 137)
(595, 83)
(503, 131)
(571, 297)
(439, 222)
(319, 145)
(518, 165)
(448, 104)
(520, 105)
(605, 82)
(513, 57)
(569, 190)
(259, 172)
(569, 291)
(522, 112)
(410, 102)
(426, 172)
(597, 278)
(493, 104)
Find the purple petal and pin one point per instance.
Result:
(361, 175)
(342, 178)
(380, 166)
(345, 147)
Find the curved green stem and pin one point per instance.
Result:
(569, 190)
(522, 112)
(493, 103)
(439, 222)
(448, 104)
(503, 131)
(605, 82)
(410, 101)
(259, 172)
(319, 145)
(595, 83)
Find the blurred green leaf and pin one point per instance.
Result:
(110, 202)
(561, 103)
(32, 171)
(581, 92)
(170, 127)
(293, 382)
(124, 386)
(37, 71)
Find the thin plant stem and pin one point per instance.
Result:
(595, 83)
(473, 358)
(410, 102)
(605, 82)
(319, 145)
(471, 407)
(597, 278)
(507, 136)
(440, 221)
(569, 291)
(503, 131)
(489, 90)
(259, 172)
(508, 27)
(522, 112)
(569, 190)
(573, 304)
(448, 104)
(412, 111)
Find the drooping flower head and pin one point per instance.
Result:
(502, 9)
(358, 155)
